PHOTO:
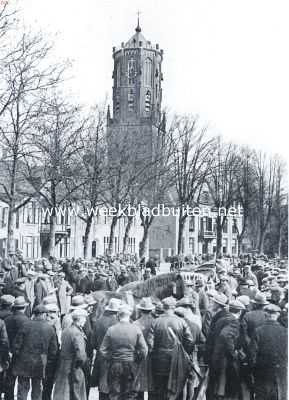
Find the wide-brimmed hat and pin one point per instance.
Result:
(19, 302)
(78, 302)
(113, 305)
(146, 304)
(49, 300)
(260, 298)
(220, 299)
(52, 308)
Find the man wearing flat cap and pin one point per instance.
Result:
(268, 355)
(162, 343)
(35, 345)
(124, 346)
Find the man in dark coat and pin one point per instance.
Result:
(268, 356)
(108, 319)
(6, 302)
(4, 352)
(13, 324)
(100, 281)
(123, 345)
(224, 379)
(70, 378)
(86, 283)
(220, 314)
(162, 343)
(253, 319)
(35, 345)
(145, 322)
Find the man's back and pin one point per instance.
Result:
(13, 323)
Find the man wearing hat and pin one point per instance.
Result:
(4, 353)
(108, 319)
(6, 301)
(70, 380)
(124, 346)
(253, 319)
(224, 381)
(14, 323)
(268, 355)
(162, 344)
(145, 323)
(64, 293)
(100, 281)
(35, 345)
(220, 314)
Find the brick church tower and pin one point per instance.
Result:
(137, 95)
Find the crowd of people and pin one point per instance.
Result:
(224, 337)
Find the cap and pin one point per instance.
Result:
(78, 302)
(169, 302)
(220, 299)
(78, 313)
(272, 309)
(41, 309)
(125, 309)
(260, 298)
(51, 308)
(19, 302)
(7, 299)
(236, 305)
(245, 300)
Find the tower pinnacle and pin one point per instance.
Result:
(138, 28)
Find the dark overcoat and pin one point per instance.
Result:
(34, 345)
(224, 379)
(269, 358)
(70, 381)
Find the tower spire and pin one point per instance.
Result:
(138, 28)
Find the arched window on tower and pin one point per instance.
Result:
(148, 100)
(117, 103)
(130, 100)
(148, 72)
(131, 71)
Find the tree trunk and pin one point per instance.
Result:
(182, 219)
(279, 244)
(126, 233)
(143, 243)
(111, 236)
(240, 241)
(10, 228)
(219, 232)
(261, 241)
(52, 231)
(86, 235)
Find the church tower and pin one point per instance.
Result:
(137, 94)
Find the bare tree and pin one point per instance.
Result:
(265, 170)
(57, 174)
(191, 155)
(26, 78)
(222, 184)
(93, 150)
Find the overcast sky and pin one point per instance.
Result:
(226, 60)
